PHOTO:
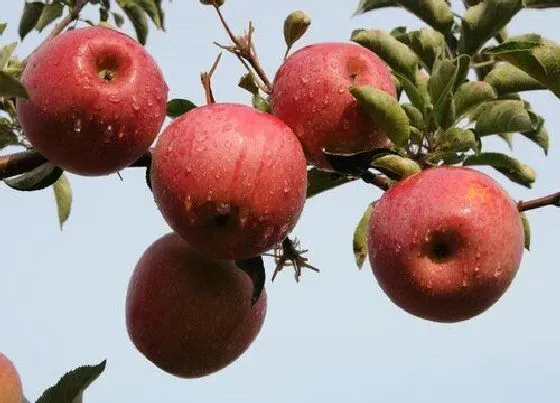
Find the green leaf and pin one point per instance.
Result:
(526, 229)
(535, 55)
(504, 116)
(385, 111)
(418, 96)
(508, 138)
(50, 13)
(72, 384)
(359, 240)
(397, 165)
(260, 103)
(440, 86)
(506, 78)
(436, 13)
(426, 43)
(249, 83)
(295, 25)
(396, 54)
(31, 13)
(320, 181)
(137, 17)
(119, 19)
(369, 5)
(154, 10)
(5, 53)
(63, 198)
(463, 63)
(415, 117)
(509, 166)
(542, 3)
(539, 137)
(457, 139)
(483, 21)
(3, 26)
(39, 178)
(7, 136)
(177, 107)
(471, 94)
(444, 157)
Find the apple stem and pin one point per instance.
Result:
(245, 51)
(206, 79)
(549, 200)
(382, 182)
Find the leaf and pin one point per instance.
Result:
(506, 78)
(471, 94)
(396, 165)
(3, 26)
(436, 13)
(508, 138)
(463, 63)
(151, 8)
(177, 107)
(368, 5)
(63, 198)
(295, 25)
(396, 54)
(427, 43)
(39, 178)
(50, 13)
(542, 3)
(535, 55)
(5, 53)
(415, 117)
(7, 136)
(355, 163)
(254, 267)
(31, 13)
(260, 103)
(385, 111)
(248, 82)
(509, 166)
(418, 97)
(72, 384)
(137, 17)
(320, 181)
(444, 157)
(440, 87)
(526, 229)
(483, 21)
(539, 137)
(359, 240)
(10, 87)
(457, 139)
(119, 19)
(504, 116)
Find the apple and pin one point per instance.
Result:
(446, 243)
(310, 93)
(230, 179)
(10, 382)
(188, 314)
(96, 102)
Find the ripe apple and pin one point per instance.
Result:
(310, 93)
(231, 180)
(446, 243)
(188, 314)
(10, 382)
(97, 100)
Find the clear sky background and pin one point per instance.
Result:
(335, 336)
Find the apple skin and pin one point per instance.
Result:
(84, 123)
(446, 243)
(231, 180)
(10, 382)
(310, 93)
(188, 314)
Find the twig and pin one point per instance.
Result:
(22, 162)
(72, 16)
(245, 49)
(382, 182)
(206, 79)
(549, 200)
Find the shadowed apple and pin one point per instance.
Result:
(10, 382)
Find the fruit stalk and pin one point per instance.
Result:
(548, 200)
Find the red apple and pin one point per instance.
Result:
(231, 180)
(10, 382)
(310, 93)
(97, 100)
(188, 314)
(446, 243)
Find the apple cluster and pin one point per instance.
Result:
(231, 183)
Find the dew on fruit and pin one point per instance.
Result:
(223, 208)
(200, 148)
(114, 98)
(476, 270)
(188, 203)
(109, 130)
(135, 105)
(121, 135)
(150, 102)
(243, 216)
(209, 198)
(341, 90)
(304, 79)
(77, 126)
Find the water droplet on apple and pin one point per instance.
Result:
(304, 79)
(465, 283)
(188, 203)
(199, 149)
(109, 130)
(150, 102)
(341, 90)
(114, 98)
(209, 198)
(243, 216)
(135, 105)
(121, 135)
(223, 208)
(77, 126)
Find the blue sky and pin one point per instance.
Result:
(333, 337)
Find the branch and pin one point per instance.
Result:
(549, 200)
(72, 16)
(206, 79)
(245, 49)
(382, 182)
(22, 162)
